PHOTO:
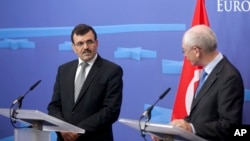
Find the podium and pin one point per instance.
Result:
(164, 131)
(42, 125)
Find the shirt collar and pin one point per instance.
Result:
(90, 62)
(209, 68)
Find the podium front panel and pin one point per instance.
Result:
(31, 135)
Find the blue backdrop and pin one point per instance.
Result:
(144, 37)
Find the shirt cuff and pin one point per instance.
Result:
(192, 126)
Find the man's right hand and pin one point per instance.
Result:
(69, 136)
(154, 138)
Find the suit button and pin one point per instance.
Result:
(73, 113)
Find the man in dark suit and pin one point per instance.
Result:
(218, 105)
(97, 106)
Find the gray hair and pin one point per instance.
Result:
(200, 36)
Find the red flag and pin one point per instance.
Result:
(190, 74)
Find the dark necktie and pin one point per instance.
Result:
(201, 82)
(80, 79)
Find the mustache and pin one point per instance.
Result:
(86, 51)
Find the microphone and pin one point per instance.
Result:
(20, 98)
(148, 111)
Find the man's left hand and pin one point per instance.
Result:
(182, 124)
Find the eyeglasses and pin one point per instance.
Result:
(88, 43)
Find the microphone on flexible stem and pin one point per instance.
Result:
(20, 98)
(147, 114)
(148, 111)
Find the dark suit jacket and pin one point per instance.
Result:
(218, 105)
(98, 105)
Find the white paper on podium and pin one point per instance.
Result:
(50, 123)
(162, 129)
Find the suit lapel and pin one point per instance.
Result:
(208, 83)
(71, 80)
(203, 91)
(92, 73)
